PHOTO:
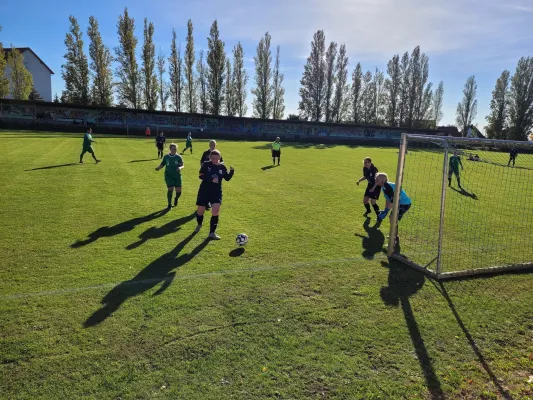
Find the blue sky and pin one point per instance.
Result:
(461, 37)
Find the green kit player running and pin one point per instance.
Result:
(453, 168)
(173, 164)
(87, 146)
(188, 143)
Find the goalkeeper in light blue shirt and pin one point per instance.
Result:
(388, 188)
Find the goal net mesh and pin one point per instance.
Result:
(481, 219)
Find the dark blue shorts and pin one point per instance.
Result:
(402, 210)
(206, 196)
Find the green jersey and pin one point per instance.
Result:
(455, 161)
(87, 140)
(276, 146)
(189, 141)
(172, 163)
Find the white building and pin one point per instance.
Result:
(42, 74)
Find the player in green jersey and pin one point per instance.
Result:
(87, 146)
(453, 168)
(173, 164)
(188, 143)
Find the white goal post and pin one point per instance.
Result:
(470, 215)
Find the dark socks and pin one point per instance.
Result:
(367, 206)
(178, 194)
(459, 181)
(169, 197)
(199, 219)
(214, 223)
(376, 208)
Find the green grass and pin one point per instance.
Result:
(103, 297)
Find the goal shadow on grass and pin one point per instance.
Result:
(404, 282)
(159, 271)
(108, 231)
(373, 242)
(442, 289)
(157, 233)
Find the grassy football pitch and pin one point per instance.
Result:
(104, 295)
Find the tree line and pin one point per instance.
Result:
(207, 83)
(212, 83)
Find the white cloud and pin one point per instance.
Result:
(372, 29)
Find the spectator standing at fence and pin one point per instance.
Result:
(188, 143)
(87, 146)
(147, 132)
(276, 151)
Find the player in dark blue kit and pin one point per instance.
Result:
(210, 191)
(512, 156)
(371, 195)
(160, 144)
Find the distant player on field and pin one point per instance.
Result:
(276, 151)
(188, 143)
(173, 164)
(207, 153)
(371, 195)
(87, 146)
(160, 144)
(453, 168)
(147, 132)
(210, 191)
(388, 189)
(512, 156)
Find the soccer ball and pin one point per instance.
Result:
(242, 239)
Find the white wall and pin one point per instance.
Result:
(42, 78)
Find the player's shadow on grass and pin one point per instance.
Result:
(268, 167)
(126, 226)
(465, 193)
(442, 289)
(373, 242)
(159, 271)
(148, 159)
(403, 282)
(156, 233)
(52, 166)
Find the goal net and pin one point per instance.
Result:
(472, 205)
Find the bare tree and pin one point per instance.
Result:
(150, 85)
(467, 108)
(342, 88)
(190, 80)
(393, 86)
(128, 87)
(162, 85)
(278, 104)
(240, 80)
(521, 99)
(313, 87)
(357, 92)
(175, 71)
(331, 54)
(263, 92)
(201, 84)
(438, 101)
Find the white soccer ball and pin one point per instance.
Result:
(242, 239)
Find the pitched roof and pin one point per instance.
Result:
(23, 49)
